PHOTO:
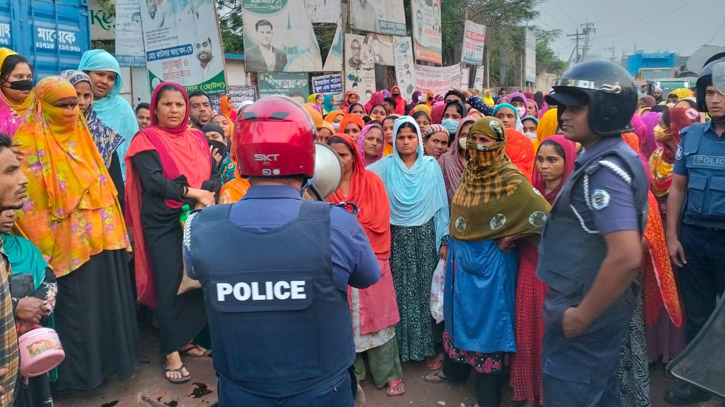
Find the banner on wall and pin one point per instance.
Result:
(380, 48)
(478, 79)
(380, 16)
(323, 11)
(278, 37)
(427, 32)
(327, 84)
(530, 59)
(333, 63)
(465, 73)
(439, 79)
(183, 45)
(359, 67)
(292, 84)
(474, 36)
(129, 35)
(404, 66)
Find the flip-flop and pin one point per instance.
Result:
(187, 352)
(434, 362)
(435, 376)
(180, 370)
(395, 388)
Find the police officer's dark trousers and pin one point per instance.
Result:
(582, 371)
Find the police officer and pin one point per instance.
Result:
(590, 248)
(275, 270)
(696, 237)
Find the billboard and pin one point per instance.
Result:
(380, 16)
(474, 36)
(427, 32)
(530, 59)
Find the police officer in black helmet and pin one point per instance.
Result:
(591, 245)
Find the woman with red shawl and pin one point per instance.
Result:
(555, 160)
(168, 164)
(400, 102)
(374, 309)
(351, 97)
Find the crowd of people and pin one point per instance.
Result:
(455, 181)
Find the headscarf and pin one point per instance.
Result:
(418, 193)
(493, 199)
(428, 97)
(12, 114)
(529, 95)
(520, 151)
(312, 98)
(450, 162)
(24, 258)
(330, 118)
(421, 108)
(435, 128)
(361, 142)
(460, 107)
(376, 99)
(519, 127)
(548, 125)
(351, 118)
(327, 106)
(536, 107)
(113, 110)
(647, 141)
(436, 113)
(368, 192)
(681, 93)
(399, 101)
(662, 160)
(640, 129)
(314, 107)
(328, 126)
(182, 151)
(233, 190)
(487, 99)
(569, 160)
(107, 140)
(346, 105)
(226, 108)
(539, 99)
(72, 211)
(314, 114)
(519, 95)
(415, 99)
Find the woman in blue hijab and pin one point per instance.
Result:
(419, 234)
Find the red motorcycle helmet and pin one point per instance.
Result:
(275, 137)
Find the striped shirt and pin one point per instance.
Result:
(9, 357)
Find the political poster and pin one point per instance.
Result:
(129, 34)
(380, 47)
(530, 59)
(359, 67)
(102, 21)
(404, 66)
(380, 16)
(333, 62)
(182, 44)
(278, 37)
(427, 32)
(323, 11)
(327, 84)
(474, 35)
(439, 79)
(294, 85)
(478, 79)
(465, 73)
(239, 94)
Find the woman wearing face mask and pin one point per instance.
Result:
(530, 123)
(16, 82)
(399, 100)
(334, 118)
(435, 141)
(388, 124)
(419, 218)
(454, 161)
(370, 143)
(518, 101)
(423, 120)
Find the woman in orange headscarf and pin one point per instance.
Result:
(374, 309)
(74, 217)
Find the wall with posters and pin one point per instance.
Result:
(323, 11)
(129, 34)
(439, 79)
(380, 48)
(183, 45)
(474, 36)
(427, 31)
(404, 66)
(359, 67)
(278, 37)
(294, 85)
(380, 16)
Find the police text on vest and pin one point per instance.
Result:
(280, 290)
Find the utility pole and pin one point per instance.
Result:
(587, 29)
(577, 37)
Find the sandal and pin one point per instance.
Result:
(435, 376)
(188, 351)
(395, 388)
(434, 362)
(180, 370)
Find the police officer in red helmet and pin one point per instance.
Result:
(275, 269)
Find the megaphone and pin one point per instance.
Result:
(328, 172)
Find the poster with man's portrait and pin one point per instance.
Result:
(359, 67)
(380, 16)
(380, 48)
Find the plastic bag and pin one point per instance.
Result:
(436, 291)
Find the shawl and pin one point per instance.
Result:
(11, 114)
(662, 160)
(24, 257)
(415, 99)
(107, 140)
(648, 144)
(520, 151)
(312, 98)
(361, 142)
(399, 101)
(345, 104)
(436, 112)
(519, 127)
(536, 107)
(660, 288)
(226, 108)
(421, 108)
(418, 193)
(429, 94)
(72, 211)
(494, 199)
(450, 162)
(330, 118)
(314, 107)
(487, 99)
(113, 110)
(314, 114)
(182, 151)
(351, 118)
(233, 190)
(569, 160)
(368, 192)
(375, 99)
(519, 95)
(327, 106)
(548, 124)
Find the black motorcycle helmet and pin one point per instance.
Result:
(705, 80)
(607, 88)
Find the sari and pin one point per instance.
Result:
(450, 162)
(569, 160)
(361, 143)
(12, 114)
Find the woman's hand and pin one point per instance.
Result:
(506, 243)
(443, 253)
(202, 197)
(31, 309)
(215, 155)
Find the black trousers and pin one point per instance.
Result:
(488, 386)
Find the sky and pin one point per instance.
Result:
(650, 25)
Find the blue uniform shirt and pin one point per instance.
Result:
(608, 204)
(266, 208)
(707, 130)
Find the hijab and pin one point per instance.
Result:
(450, 162)
(436, 113)
(418, 193)
(345, 104)
(107, 140)
(487, 99)
(361, 141)
(330, 118)
(368, 192)
(519, 126)
(24, 258)
(113, 110)
(375, 99)
(421, 108)
(648, 144)
(569, 160)
(536, 107)
(548, 125)
(494, 199)
(351, 118)
(12, 114)
(327, 106)
(429, 97)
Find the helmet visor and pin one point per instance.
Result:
(571, 98)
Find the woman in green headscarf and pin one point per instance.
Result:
(33, 288)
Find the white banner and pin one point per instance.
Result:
(359, 67)
(380, 48)
(278, 37)
(333, 63)
(478, 79)
(438, 79)
(129, 35)
(182, 44)
(427, 32)
(380, 16)
(530, 61)
(323, 11)
(404, 66)
(474, 35)
(465, 73)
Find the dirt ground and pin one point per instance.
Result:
(150, 383)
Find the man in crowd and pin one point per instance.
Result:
(199, 109)
(264, 57)
(275, 271)
(143, 115)
(389, 103)
(601, 210)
